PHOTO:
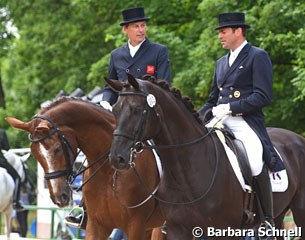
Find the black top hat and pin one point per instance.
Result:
(232, 19)
(133, 15)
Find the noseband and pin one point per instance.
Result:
(65, 146)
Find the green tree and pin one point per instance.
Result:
(275, 26)
(66, 44)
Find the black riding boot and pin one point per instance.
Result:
(264, 192)
(16, 202)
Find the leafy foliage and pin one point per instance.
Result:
(66, 44)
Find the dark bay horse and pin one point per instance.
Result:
(69, 124)
(199, 187)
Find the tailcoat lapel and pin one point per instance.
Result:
(237, 63)
(126, 53)
(222, 70)
(139, 53)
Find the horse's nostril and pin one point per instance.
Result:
(121, 160)
(65, 199)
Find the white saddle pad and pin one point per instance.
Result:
(279, 180)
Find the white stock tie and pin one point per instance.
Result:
(232, 58)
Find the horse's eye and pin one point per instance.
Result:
(57, 151)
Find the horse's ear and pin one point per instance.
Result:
(43, 126)
(16, 123)
(133, 82)
(116, 85)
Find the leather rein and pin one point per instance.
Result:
(68, 172)
(138, 145)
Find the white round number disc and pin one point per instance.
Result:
(151, 100)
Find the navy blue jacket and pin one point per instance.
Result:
(151, 58)
(247, 86)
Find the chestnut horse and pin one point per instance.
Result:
(199, 187)
(113, 199)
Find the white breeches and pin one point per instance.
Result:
(252, 143)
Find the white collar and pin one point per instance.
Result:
(237, 50)
(133, 49)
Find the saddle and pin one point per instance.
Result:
(240, 152)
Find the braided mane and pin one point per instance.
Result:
(177, 93)
(161, 83)
(64, 99)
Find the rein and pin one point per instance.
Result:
(138, 147)
(83, 169)
(114, 177)
(153, 194)
(142, 182)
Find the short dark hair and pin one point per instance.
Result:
(243, 29)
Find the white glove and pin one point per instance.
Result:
(106, 105)
(221, 110)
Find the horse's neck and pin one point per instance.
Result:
(178, 126)
(95, 137)
(192, 147)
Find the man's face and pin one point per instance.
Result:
(229, 37)
(136, 32)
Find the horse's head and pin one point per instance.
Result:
(55, 150)
(137, 117)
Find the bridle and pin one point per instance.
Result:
(66, 146)
(139, 145)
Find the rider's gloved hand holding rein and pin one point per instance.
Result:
(221, 110)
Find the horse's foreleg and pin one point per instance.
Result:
(137, 231)
(95, 231)
(177, 232)
(148, 235)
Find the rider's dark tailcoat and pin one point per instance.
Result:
(247, 86)
(151, 58)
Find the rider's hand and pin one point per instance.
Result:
(106, 105)
(221, 110)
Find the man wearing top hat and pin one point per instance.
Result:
(242, 86)
(138, 57)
